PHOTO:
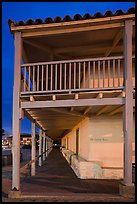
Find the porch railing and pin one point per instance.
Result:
(73, 75)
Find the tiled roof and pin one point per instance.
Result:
(67, 18)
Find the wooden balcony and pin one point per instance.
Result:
(74, 76)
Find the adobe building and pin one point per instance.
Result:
(74, 78)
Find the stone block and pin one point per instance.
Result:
(14, 194)
(127, 191)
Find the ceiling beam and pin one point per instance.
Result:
(115, 42)
(67, 112)
(40, 46)
(102, 110)
(87, 110)
(83, 47)
(24, 55)
(71, 109)
(70, 29)
(68, 103)
(117, 110)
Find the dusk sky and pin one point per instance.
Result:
(26, 10)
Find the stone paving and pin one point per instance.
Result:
(56, 181)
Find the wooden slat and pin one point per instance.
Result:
(60, 76)
(89, 74)
(47, 77)
(42, 76)
(65, 78)
(29, 80)
(69, 76)
(56, 77)
(74, 75)
(93, 74)
(108, 73)
(24, 78)
(118, 72)
(33, 78)
(38, 78)
(113, 73)
(79, 75)
(98, 74)
(51, 76)
(84, 74)
(103, 73)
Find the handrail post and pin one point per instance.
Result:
(43, 146)
(33, 151)
(40, 147)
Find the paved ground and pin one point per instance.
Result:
(57, 181)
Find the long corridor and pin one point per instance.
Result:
(56, 176)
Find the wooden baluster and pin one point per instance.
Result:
(47, 77)
(24, 78)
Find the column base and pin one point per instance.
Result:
(126, 191)
(14, 194)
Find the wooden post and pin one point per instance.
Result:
(43, 146)
(40, 147)
(128, 107)
(33, 151)
(46, 146)
(16, 111)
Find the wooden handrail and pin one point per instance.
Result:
(31, 161)
(71, 61)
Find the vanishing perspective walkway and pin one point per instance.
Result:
(55, 181)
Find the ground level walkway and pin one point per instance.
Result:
(55, 181)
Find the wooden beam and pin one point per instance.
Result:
(76, 96)
(31, 118)
(117, 110)
(107, 20)
(16, 113)
(54, 97)
(82, 47)
(128, 107)
(122, 94)
(66, 112)
(115, 42)
(32, 98)
(68, 103)
(71, 30)
(100, 95)
(87, 110)
(33, 150)
(33, 43)
(71, 109)
(102, 110)
(40, 147)
(24, 55)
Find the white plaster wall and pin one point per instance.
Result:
(100, 147)
(106, 140)
(83, 138)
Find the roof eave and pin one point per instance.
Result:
(26, 28)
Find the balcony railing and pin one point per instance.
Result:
(73, 75)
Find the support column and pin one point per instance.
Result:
(40, 147)
(126, 186)
(46, 146)
(16, 113)
(43, 146)
(33, 150)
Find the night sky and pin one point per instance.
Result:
(23, 11)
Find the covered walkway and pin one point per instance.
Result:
(56, 176)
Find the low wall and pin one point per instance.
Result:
(90, 169)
